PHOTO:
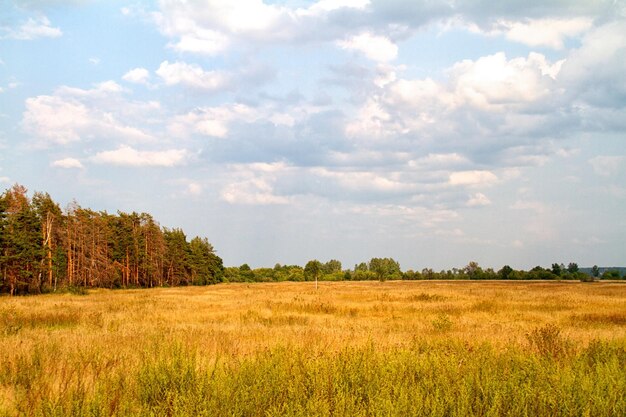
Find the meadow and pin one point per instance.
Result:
(395, 348)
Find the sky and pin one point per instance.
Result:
(433, 132)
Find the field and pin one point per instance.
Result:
(349, 348)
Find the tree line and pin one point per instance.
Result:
(44, 248)
(383, 269)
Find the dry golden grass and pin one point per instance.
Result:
(109, 332)
(236, 319)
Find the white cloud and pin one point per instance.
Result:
(208, 27)
(607, 165)
(127, 156)
(5, 180)
(472, 178)
(330, 5)
(34, 28)
(371, 121)
(94, 61)
(478, 200)
(494, 81)
(137, 76)
(74, 114)
(101, 90)
(594, 73)
(192, 75)
(67, 163)
(211, 28)
(545, 32)
(363, 180)
(255, 191)
(211, 121)
(374, 47)
(490, 96)
(55, 119)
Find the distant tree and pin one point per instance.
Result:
(556, 269)
(505, 272)
(361, 267)
(572, 267)
(331, 267)
(595, 271)
(246, 273)
(611, 274)
(473, 270)
(312, 270)
(385, 268)
(428, 273)
(539, 273)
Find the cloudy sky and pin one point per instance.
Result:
(435, 132)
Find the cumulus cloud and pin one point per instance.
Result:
(494, 80)
(211, 121)
(33, 28)
(491, 96)
(127, 156)
(55, 119)
(192, 75)
(74, 114)
(67, 163)
(546, 32)
(254, 184)
(254, 191)
(593, 73)
(137, 76)
(211, 28)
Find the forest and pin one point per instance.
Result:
(44, 248)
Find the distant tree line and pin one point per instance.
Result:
(383, 269)
(44, 248)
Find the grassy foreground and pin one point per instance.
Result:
(349, 349)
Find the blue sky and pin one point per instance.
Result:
(435, 132)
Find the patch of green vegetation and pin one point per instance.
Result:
(443, 378)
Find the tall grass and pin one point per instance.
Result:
(346, 350)
(441, 379)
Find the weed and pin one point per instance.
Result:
(423, 297)
(547, 341)
(442, 323)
